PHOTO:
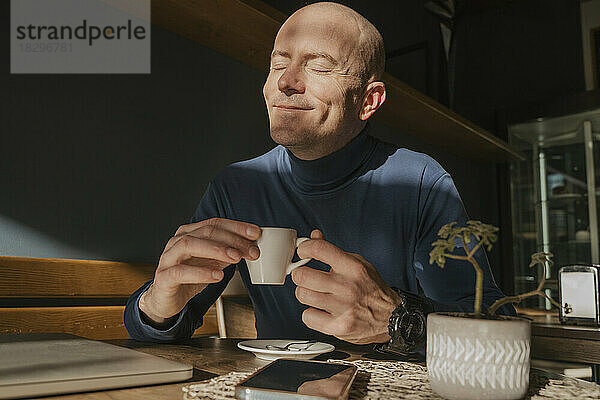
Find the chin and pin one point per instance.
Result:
(287, 135)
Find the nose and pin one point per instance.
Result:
(291, 81)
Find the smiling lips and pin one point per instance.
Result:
(291, 108)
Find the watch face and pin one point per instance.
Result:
(411, 326)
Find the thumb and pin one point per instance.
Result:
(316, 234)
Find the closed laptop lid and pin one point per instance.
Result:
(46, 364)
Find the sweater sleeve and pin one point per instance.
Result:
(191, 317)
(451, 288)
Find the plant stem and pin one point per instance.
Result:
(543, 280)
(554, 302)
(517, 299)
(456, 257)
(474, 250)
(479, 275)
(478, 286)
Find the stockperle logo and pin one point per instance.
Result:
(80, 36)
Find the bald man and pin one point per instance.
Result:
(372, 210)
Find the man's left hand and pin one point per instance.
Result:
(351, 301)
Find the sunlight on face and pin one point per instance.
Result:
(313, 90)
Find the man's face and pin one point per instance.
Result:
(313, 90)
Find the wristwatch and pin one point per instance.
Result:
(407, 324)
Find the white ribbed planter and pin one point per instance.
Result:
(474, 358)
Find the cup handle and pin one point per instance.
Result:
(300, 263)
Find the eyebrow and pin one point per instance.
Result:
(307, 56)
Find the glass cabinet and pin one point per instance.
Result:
(555, 196)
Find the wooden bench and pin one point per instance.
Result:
(82, 297)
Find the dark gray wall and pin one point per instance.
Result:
(107, 166)
(525, 52)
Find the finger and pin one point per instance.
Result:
(316, 280)
(318, 320)
(247, 248)
(316, 234)
(245, 229)
(190, 246)
(205, 262)
(184, 274)
(323, 301)
(326, 252)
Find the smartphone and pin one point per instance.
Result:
(298, 379)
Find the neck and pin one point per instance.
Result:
(331, 171)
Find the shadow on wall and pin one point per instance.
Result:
(108, 166)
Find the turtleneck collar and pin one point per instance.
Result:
(332, 171)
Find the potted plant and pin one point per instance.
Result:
(478, 355)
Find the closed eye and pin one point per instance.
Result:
(319, 67)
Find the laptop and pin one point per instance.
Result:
(47, 364)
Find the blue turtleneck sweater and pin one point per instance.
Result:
(371, 198)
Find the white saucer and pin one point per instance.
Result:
(260, 350)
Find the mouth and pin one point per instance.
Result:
(291, 108)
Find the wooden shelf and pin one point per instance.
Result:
(412, 112)
(245, 30)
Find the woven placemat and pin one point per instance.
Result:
(384, 380)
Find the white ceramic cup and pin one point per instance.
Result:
(277, 247)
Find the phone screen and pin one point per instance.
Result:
(309, 378)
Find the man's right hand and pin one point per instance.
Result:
(194, 257)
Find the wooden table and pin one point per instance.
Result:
(551, 340)
(209, 356)
(212, 357)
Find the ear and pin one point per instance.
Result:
(374, 97)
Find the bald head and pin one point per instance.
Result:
(369, 49)
(324, 79)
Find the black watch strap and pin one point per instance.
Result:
(414, 301)
(407, 324)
